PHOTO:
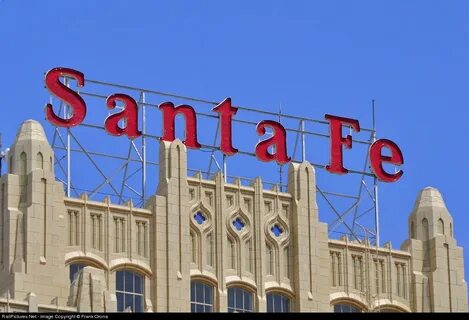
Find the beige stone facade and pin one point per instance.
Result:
(198, 236)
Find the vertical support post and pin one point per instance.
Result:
(225, 177)
(1, 155)
(69, 178)
(280, 171)
(66, 112)
(375, 181)
(144, 148)
(303, 145)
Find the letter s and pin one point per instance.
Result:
(67, 95)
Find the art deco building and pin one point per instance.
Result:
(207, 245)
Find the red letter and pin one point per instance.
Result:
(226, 112)
(130, 114)
(377, 159)
(279, 139)
(67, 95)
(335, 125)
(169, 115)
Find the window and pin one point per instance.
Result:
(39, 161)
(441, 226)
(129, 291)
(74, 269)
(345, 308)
(201, 297)
(277, 303)
(239, 300)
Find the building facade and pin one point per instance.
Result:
(206, 245)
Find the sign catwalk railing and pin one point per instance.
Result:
(185, 117)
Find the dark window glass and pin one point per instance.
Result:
(277, 303)
(129, 302)
(270, 303)
(74, 269)
(129, 291)
(138, 284)
(239, 300)
(120, 301)
(120, 281)
(129, 281)
(345, 308)
(199, 308)
(138, 300)
(201, 297)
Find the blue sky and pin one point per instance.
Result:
(310, 57)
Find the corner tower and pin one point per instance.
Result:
(32, 220)
(437, 261)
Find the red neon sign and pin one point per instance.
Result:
(226, 113)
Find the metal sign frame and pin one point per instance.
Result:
(132, 170)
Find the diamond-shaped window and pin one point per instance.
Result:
(276, 230)
(199, 217)
(238, 224)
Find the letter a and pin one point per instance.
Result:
(278, 139)
(129, 114)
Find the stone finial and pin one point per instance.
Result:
(129, 203)
(197, 175)
(31, 130)
(107, 200)
(430, 217)
(429, 197)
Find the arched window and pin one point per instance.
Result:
(412, 230)
(277, 302)
(23, 159)
(74, 270)
(129, 291)
(345, 308)
(426, 233)
(239, 300)
(39, 161)
(201, 297)
(441, 226)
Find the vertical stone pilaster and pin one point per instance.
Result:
(173, 186)
(220, 241)
(310, 242)
(259, 243)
